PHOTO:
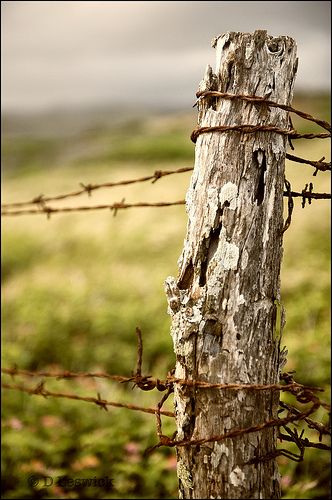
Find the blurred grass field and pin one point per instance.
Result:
(76, 286)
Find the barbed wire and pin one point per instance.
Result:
(40, 390)
(304, 395)
(113, 207)
(89, 188)
(166, 441)
(291, 134)
(64, 374)
(146, 382)
(41, 199)
(158, 174)
(45, 209)
(250, 129)
(318, 165)
(257, 99)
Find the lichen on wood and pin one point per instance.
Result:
(223, 302)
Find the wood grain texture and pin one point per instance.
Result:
(225, 299)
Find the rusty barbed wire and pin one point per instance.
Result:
(250, 129)
(146, 382)
(320, 428)
(44, 209)
(65, 374)
(304, 395)
(309, 195)
(318, 165)
(89, 188)
(294, 437)
(40, 390)
(113, 207)
(41, 200)
(256, 99)
(158, 414)
(292, 134)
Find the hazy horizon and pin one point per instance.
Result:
(71, 55)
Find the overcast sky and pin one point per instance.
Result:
(76, 53)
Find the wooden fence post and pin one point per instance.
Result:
(225, 300)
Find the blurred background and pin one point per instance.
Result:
(95, 92)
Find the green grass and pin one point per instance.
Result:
(25, 155)
(145, 148)
(140, 142)
(76, 286)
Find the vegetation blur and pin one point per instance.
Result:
(76, 286)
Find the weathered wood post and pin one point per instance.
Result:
(224, 302)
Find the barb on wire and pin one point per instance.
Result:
(252, 98)
(312, 424)
(158, 413)
(290, 206)
(162, 438)
(144, 382)
(321, 165)
(304, 192)
(89, 188)
(139, 352)
(289, 139)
